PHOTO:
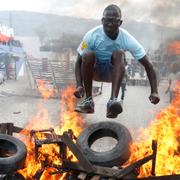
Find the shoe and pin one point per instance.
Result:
(79, 92)
(113, 108)
(86, 106)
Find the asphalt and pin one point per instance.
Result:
(19, 104)
(137, 110)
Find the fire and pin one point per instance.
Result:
(166, 130)
(174, 47)
(70, 118)
(48, 154)
(46, 89)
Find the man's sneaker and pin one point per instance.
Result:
(86, 106)
(113, 108)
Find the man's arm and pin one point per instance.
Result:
(154, 98)
(79, 83)
(78, 70)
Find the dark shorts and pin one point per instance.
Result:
(103, 71)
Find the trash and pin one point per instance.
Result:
(17, 112)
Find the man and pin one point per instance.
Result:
(123, 83)
(100, 58)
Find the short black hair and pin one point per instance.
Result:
(113, 7)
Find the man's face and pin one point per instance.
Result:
(111, 22)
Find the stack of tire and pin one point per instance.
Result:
(12, 154)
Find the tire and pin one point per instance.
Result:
(12, 154)
(114, 157)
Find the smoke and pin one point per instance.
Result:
(166, 12)
(162, 12)
(85, 9)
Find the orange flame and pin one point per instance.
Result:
(174, 47)
(166, 130)
(49, 154)
(46, 89)
(70, 118)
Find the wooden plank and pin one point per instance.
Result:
(77, 152)
(97, 177)
(3, 128)
(10, 127)
(82, 176)
(98, 170)
(125, 171)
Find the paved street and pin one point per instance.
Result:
(137, 109)
(19, 104)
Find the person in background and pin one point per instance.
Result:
(173, 78)
(124, 82)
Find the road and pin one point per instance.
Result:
(137, 109)
(19, 104)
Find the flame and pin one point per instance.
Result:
(174, 47)
(70, 118)
(49, 154)
(45, 89)
(166, 130)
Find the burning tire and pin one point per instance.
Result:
(12, 154)
(114, 157)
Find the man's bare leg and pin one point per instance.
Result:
(87, 70)
(118, 71)
(113, 106)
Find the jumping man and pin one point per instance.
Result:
(101, 58)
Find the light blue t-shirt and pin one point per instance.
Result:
(97, 41)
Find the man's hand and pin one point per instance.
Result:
(154, 98)
(79, 92)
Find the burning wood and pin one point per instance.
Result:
(48, 163)
(166, 129)
(49, 169)
(58, 170)
(50, 153)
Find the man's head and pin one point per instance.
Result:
(111, 20)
